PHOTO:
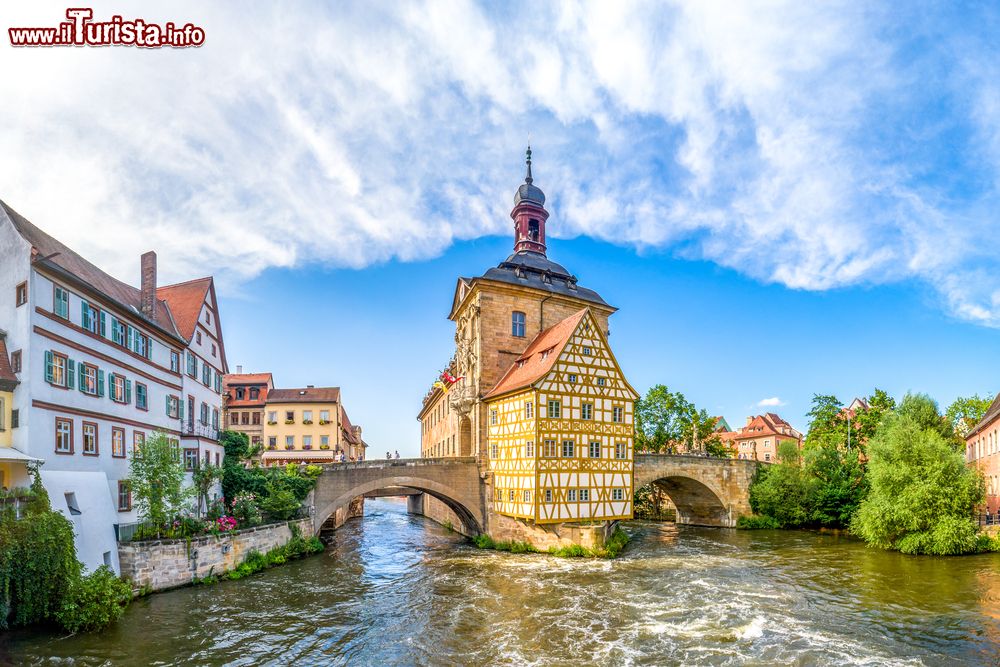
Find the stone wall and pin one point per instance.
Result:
(163, 564)
(545, 536)
(436, 511)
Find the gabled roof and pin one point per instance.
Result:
(348, 428)
(186, 300)
(767, 424)
(305, 395)
(7, 378)
(58, 257)
(246, 378)
(991, 414)
(534, 363)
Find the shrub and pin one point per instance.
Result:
(757, 522)
(94, 601)
(245, 509)
(280, 504)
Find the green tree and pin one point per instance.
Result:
(922, 493)
(825, 418)
(661, 417)
(923, 410)
(205, 475)
(965, 412)
(156, 476)
(783, 492)
(839, 484)
(866, 421)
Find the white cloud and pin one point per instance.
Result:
(773, 402)
(808, 145)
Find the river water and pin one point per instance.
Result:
(400, 590)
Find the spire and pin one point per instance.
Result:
(528, 179)
(529, 214)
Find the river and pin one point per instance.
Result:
(400, 590)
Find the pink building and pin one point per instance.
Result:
(983, 452)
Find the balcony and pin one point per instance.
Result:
(200, 430)
(16, 500)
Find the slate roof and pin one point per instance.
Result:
(59, 257)
(533, 269)
(304, 395)
(533, 365)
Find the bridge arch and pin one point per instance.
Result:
(706, 491)
(455, 482)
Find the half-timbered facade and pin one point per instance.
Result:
(560, 429)
(101, 366)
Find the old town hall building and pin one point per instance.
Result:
(534, 391)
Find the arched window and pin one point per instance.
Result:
(517, 324)
(533, 229)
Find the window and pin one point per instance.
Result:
(215, 418)
(214, 351)
(289, 441)
(549, 449)
(203, 416)
(190, 459)
(571, 495)
(59, 370)
(118, 332)
(307, 416)
(272, 441)
(272, 417)
(493, 417)
(124, 496)
(767, 456)
(234, 418)
(218, 383)
(3, 412)
(138, 440)
(254, 393)
(529, 410)
(208, 317)
(89, 439)
(14, 418)
(324, 416)
(595, 450)
(88, 379)
(173, 407)
(617, 494)
(527, 496)
(324, 441)
(617, 414)
(548, 495)
(600, 382)
(141, 396)
(197, 337)
(175, 361)
(586, 350)
(584, 495)
(572, 378)
(71, 504)
(60, 302)
(517, 324)
(289, 416)
(256, 418)
(118, 442)
(21, 294)
(192, 365)
(15, 361)
(511, 495)
(553, 410)
(587, 411)
(529, 449)
(206, 375)
(493, 450)
(307, 442)
(91, 318)
(620, 450)
(567, 448)
(239, 394)
(121, 388)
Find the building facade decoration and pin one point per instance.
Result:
(102, 365)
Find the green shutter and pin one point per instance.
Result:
(83, 379)
(168, 406)
(48, 366)
(115, 337)
(83, 314)
(130, 338)
(70, 377)
(180, 408)
(100, 382)
(104, 322)
(128, 390)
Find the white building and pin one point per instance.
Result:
(101, 366)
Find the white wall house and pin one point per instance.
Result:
(101, 366)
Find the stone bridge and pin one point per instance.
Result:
(706, 491)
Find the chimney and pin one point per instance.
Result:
(148, 284)
(749, 419)
(239, 369)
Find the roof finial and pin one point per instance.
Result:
(528, 179)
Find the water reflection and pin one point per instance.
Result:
(399, 590)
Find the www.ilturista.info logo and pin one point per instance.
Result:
(81, 30)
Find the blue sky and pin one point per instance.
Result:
(782, 197)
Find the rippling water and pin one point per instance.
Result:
(400, 590)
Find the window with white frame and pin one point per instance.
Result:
(572, 378)
(511, 495)
(567, 448)
(548, 495)
(571, 495)
(60, 305)
(600, 382)
(529, 409)
(529, 449)
(493, 450)
(526, 496)
(554, 410)
(587, 411)
(550, 449)
(617, 414)
(595, 450)
(493, 417)
(517, 324)
(620, 450)
(617, 494)
(584, 495)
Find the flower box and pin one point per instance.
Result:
(272, 446)
(307, 421)
(324, 446)
(272, 423)
(307, 446)
(289, 421)
(324, 422)
(289, 446)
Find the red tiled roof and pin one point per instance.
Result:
(246, 378)
(347, 427)
(7, 378)
(988, 417)
(305, 395)
(764, 425)
(532, 365)
(61, 258)
(185, 301)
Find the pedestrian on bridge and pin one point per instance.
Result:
(397, 453)
(388, 456)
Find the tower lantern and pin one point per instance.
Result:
(529, 215)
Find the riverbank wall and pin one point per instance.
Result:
(159, 565)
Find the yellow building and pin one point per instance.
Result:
(13, 462)
(309, 425)
(561, 430)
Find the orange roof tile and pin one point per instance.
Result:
(246, 378)
(304, 395)
(534, 364)
(185, 301)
